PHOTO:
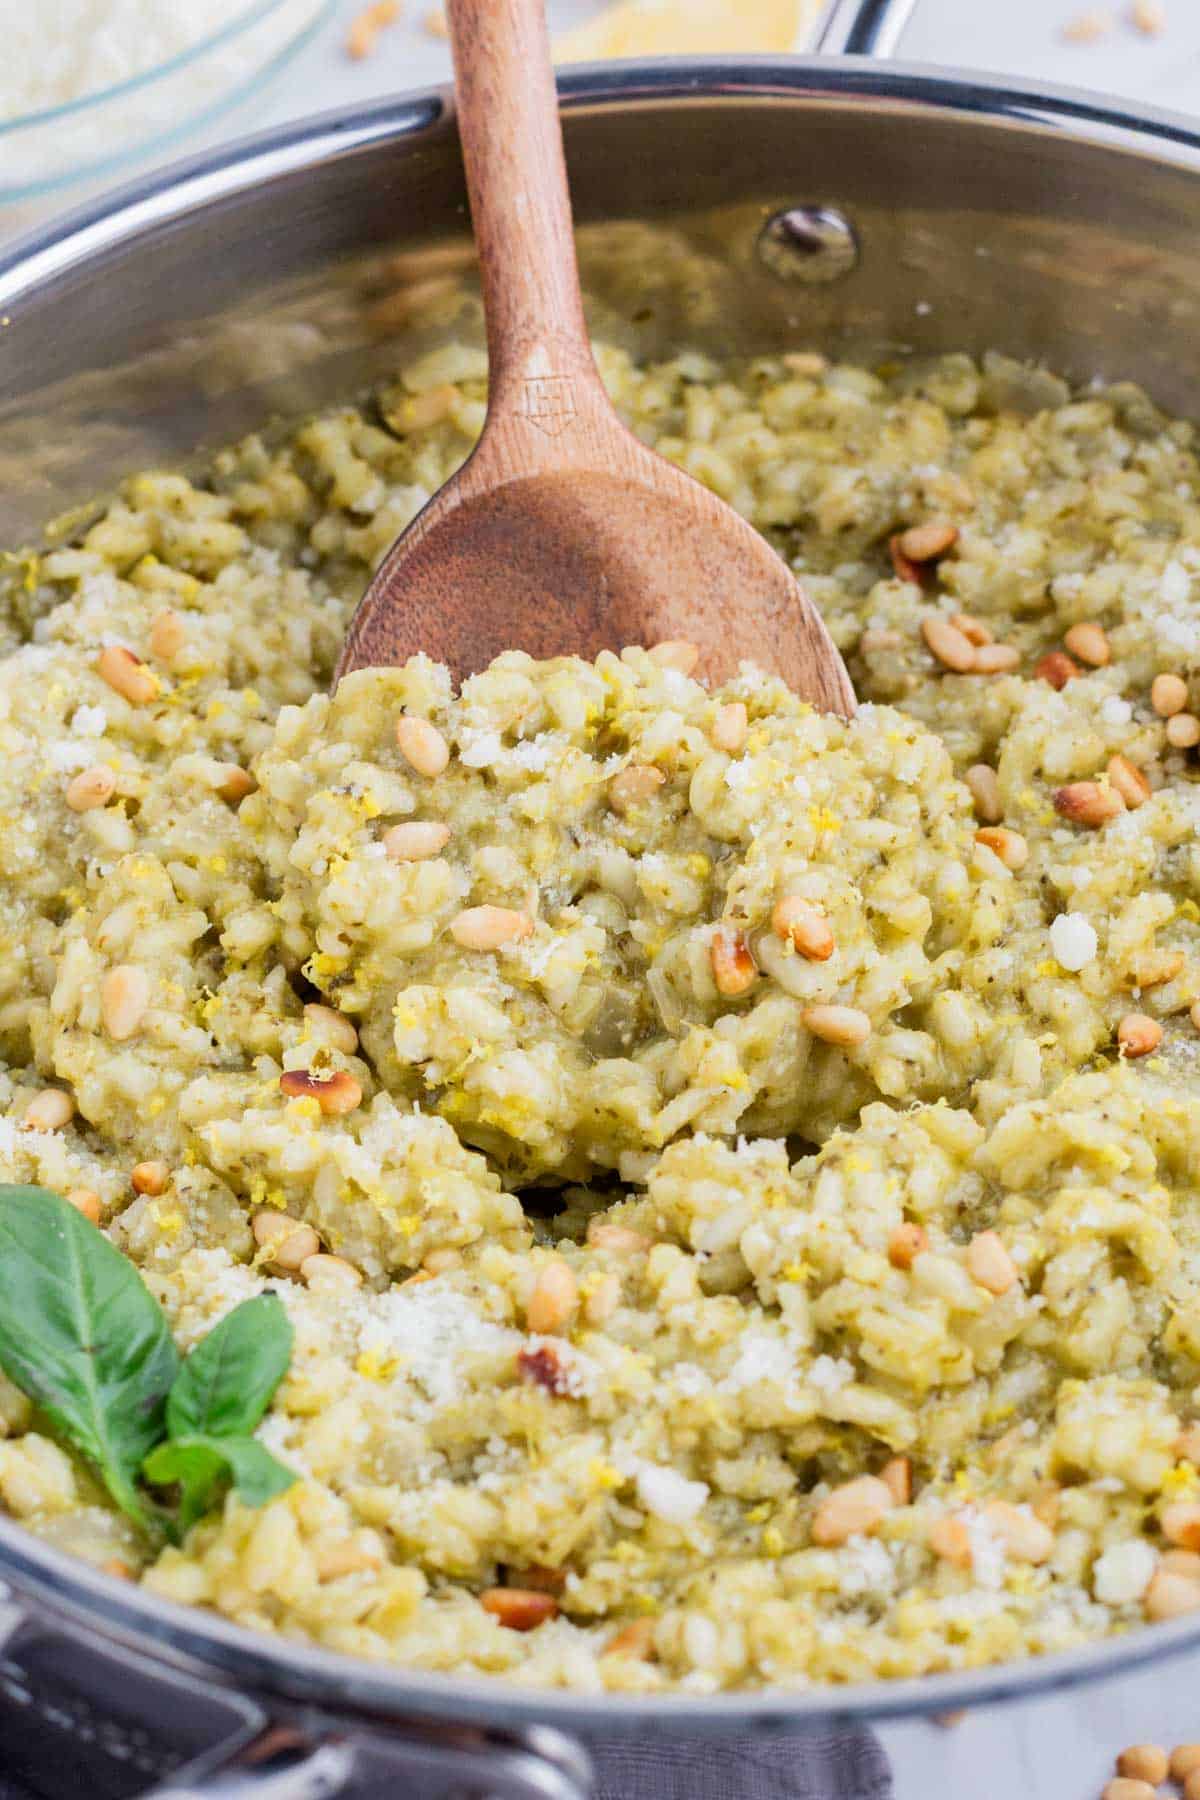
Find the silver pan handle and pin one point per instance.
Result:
(863, 27)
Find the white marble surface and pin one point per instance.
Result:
(1060, 1748)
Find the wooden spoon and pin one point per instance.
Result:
(563, 532)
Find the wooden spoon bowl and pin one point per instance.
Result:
(563, 533)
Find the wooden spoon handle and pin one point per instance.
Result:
(538, 350)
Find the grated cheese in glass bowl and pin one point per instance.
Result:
(88, 85)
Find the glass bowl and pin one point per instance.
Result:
(100, 132)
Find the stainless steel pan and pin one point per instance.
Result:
(741, 205)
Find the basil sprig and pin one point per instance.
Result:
(82, 1335)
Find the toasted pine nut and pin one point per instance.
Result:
(416, 840)
(166, 636)
(729, 728)
(997, 659)
(950, 1539)
(351, 1557)
(1009, 846)
(1187, 1445)
(323, 1271)
(1170, 1595)
(1122, 1788)
(989, 1263)
(49, 1110)
(1138, 1035)
(1128, 780)
(733, 968)
(896, 1476)
(290, 1244)
(633, 786)
(947, 644)
(675, 653)
(1168, 695)
(634, 1639)
(973, 629)
(333, 1026)
(852, 1509)
(1185, 1760)
(925, 543)
(805, 925)
(149, 1178)
(1087, 28)
(1181, 1524)
(903, 567)
(845, 1026)
(984, 786)
(553, 1299)
(1089, 803)
(235, 783)
(91, 788)
(366, 25)
(618, 1240)
(422, 746)
(1149, 17)
(906, 1243)
(124, 999)
(1144, 1762)
(334, 1094)
(85, 1201)
(118, 1568)
(127, 675)
(603, 1299)
(1154, 967)
(1025, 1537)
(1183, 731)
(1088, 642)
(521, 1609)
(489, 927)
(1057, 668)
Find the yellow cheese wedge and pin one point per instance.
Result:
(691, 28)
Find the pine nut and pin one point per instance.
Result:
(422, 746)
(1183, 731)
(334, 1094)
(1181, 1524)
(85, 1201)
(1088, 642)
(1168, 695)
(805, 362)
(149, 1178)
(948, 645)
(729, 728)
(1025, 1537)
(989, 1264)
(1149, 17)
(634, 1639)
(290, 1244)
(997, 659)
(950, 1539)
(896, 1476)
(1128, 780)
(618, 1240)
(520, 1609)
(903, 567)
(1191, 1787)
(1181, 1562)
(350, 1557)
(1057, 668)
(127, 675)
(1089, 803)
(1122, 1788)
(235, 783)
(124, 999)
(1009, 846)
(851, 1510)
(984, 786)
(553, 1299)
(603, 1299)
(332, 1026)
(633, 786)
(805, 925)
(1154, 967)
(845, 1026)
(1169, 1596)
(50, 1110)
(906, 1243)
(366, 25)
(925, 543)
(416, 840)
(1185, 1760)
(440, 1262)
(973, 629)
(324, 1271)
(489, 927)
(1138, 1035)
(675, 653)
(733, 968)
(91, 788)
(166, 636)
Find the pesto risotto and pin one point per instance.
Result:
(733, 1176)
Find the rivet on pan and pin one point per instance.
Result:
(811, 244)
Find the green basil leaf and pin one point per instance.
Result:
(226, 1384)
(82, 1335)
(200, 1465)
